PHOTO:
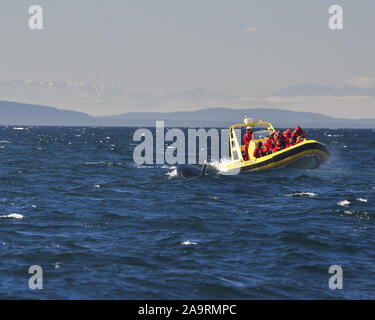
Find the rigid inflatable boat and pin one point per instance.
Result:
(307, 154)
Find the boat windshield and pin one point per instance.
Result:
(261, 134)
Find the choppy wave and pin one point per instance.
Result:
(302, 194)
(12, 216)
(172, 174)
(343, 203)
(189, 243)
(92, 211)
(221, 167)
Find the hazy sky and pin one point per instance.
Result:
(240, 48)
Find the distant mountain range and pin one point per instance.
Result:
(12, 113)
(311, 89)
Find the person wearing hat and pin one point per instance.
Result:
(247, 137)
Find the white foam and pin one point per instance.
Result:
(343, 203)
(165, 166)
(221, 166)
(172, 174)
(361, 200)
(96, 185)
(18, 128)
(12, 216)
(302, 194)
(188, 243)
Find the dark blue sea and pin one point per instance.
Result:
(73, 202)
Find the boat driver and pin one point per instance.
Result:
(247, 137)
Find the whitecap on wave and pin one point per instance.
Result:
(172, 174)
(343, 203)
(302, 194)
(12, 216)
(168, 167)
(361, 200)
(221, 166)
(188, 243)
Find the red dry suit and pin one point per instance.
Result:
(247, 137)
(287, 135)
(266, 149)
(298, 132)
(257, 152)
(269, 143)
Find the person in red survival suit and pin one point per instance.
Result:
(258, 151)
(299, 139)
(270, 142)
(280, 142)
(287, 135)
(247, 137)
(281, 138)
(278, 145)
(266, 150)
(296, 133)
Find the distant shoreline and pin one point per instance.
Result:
(21, 114)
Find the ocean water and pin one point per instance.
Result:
(73, 202)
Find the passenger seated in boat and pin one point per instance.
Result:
(266, 149)
(296, 133)
(299, 139)
(295, 140)
(274, 136)
(280, 144)
(277, 146)
(282, 139)
(270, 142)
(258, 151)
(287, 135)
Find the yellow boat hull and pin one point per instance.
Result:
(309, 154)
